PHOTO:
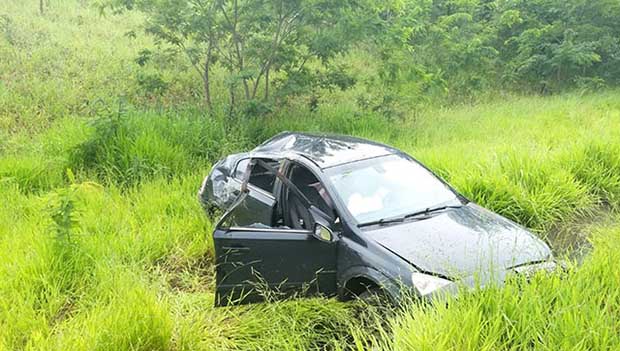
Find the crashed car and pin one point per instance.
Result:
(333, 215)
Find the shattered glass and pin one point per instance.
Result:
(219, 189)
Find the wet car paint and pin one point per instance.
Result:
(461, 244)
(325, 151)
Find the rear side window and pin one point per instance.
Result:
(263, 179)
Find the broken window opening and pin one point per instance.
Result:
(284, 204)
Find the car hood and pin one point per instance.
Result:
(462, 242)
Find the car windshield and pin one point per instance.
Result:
(388, 186)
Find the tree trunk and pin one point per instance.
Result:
(207, 88)
(246, 88)
(231, 109)
(41, 6)
(207, 83)
(237, 43)
(267, 84)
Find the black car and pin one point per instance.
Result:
(333, 215)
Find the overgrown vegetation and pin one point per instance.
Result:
(448, 49)
(103, 244)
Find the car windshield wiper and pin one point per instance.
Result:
(382, 221)
(430, 210)
(427, 211)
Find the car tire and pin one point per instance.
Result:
(375, 310)
(375, 296)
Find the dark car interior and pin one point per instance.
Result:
(292, 213)
(298, 216)
(262, 178)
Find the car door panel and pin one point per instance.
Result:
(255, 255)
(286, 262)
(257, 207)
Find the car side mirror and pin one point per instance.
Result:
(323, 233)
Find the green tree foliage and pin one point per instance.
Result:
(539, 45)
(273, 50)
(255, 41)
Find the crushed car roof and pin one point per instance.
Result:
(325, 150)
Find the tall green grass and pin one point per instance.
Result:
(103, 244)
(137, 269)
(575, 311)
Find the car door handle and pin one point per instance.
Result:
(236, 248)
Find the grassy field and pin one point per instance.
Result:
(104, 246)
(112, 251)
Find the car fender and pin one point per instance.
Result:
(391, 287)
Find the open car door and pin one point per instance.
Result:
(260, 258)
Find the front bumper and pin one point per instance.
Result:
(492, 278)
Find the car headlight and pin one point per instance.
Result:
(427, 284)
